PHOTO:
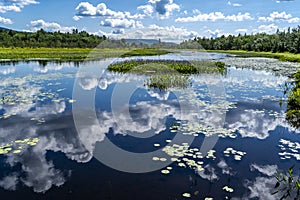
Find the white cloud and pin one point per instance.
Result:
(15, 5)
(146, 9)
(85, 9)
(121, 23)
(233, 4)
(76, 18)
(214, 16)
(118, 23)
(14, 8)
(164, 7)
(168, 33)
(5, 20)
(277, 16)
(271, 28)
(118, 31)
(22, 3)
(49, 26)
(239, 17)
(215, 33)
(241, 30)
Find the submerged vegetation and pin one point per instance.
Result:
(293, 107)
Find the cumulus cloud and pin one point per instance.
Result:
(86, 9)
(121, 23)
(146, 9)
(167, 33)
(214, 16)
(279, 16)
(5, 20)
(14, 8)
(48, 26)
(164, 7)
(118, 31)
(215, 33)
(271, 28)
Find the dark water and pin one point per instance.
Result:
(53, 147)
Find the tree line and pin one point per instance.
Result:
(41, 38)
(281, 41)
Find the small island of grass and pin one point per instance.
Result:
(166, 74)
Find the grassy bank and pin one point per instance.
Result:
(72, 54)
(166, 66)
(280, 56)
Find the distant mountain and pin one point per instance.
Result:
(146, 41)
(2, 28)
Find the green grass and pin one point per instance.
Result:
(72, 54)
(166, 74)
(280, 56)
(167, 66)
(146, 52)
(293, 107)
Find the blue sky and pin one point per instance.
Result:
(170, 20)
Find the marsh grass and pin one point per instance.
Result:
(146, 52)
(245, 54)
(142, 66)
(293, 107)
(165, 74)
(73, 54)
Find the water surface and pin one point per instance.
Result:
(44, 156)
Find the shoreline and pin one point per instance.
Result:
(289, 57)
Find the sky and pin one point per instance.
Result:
(169, 20)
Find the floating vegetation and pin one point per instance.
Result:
(210, 154)
(189, 156)
(228, 189)
(17, 146)
(289, 149)
(71, 100)
(187, 195)
(237, 155)
(165, 171)
(167, 81)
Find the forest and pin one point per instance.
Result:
(281, 41)
(41, 38)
